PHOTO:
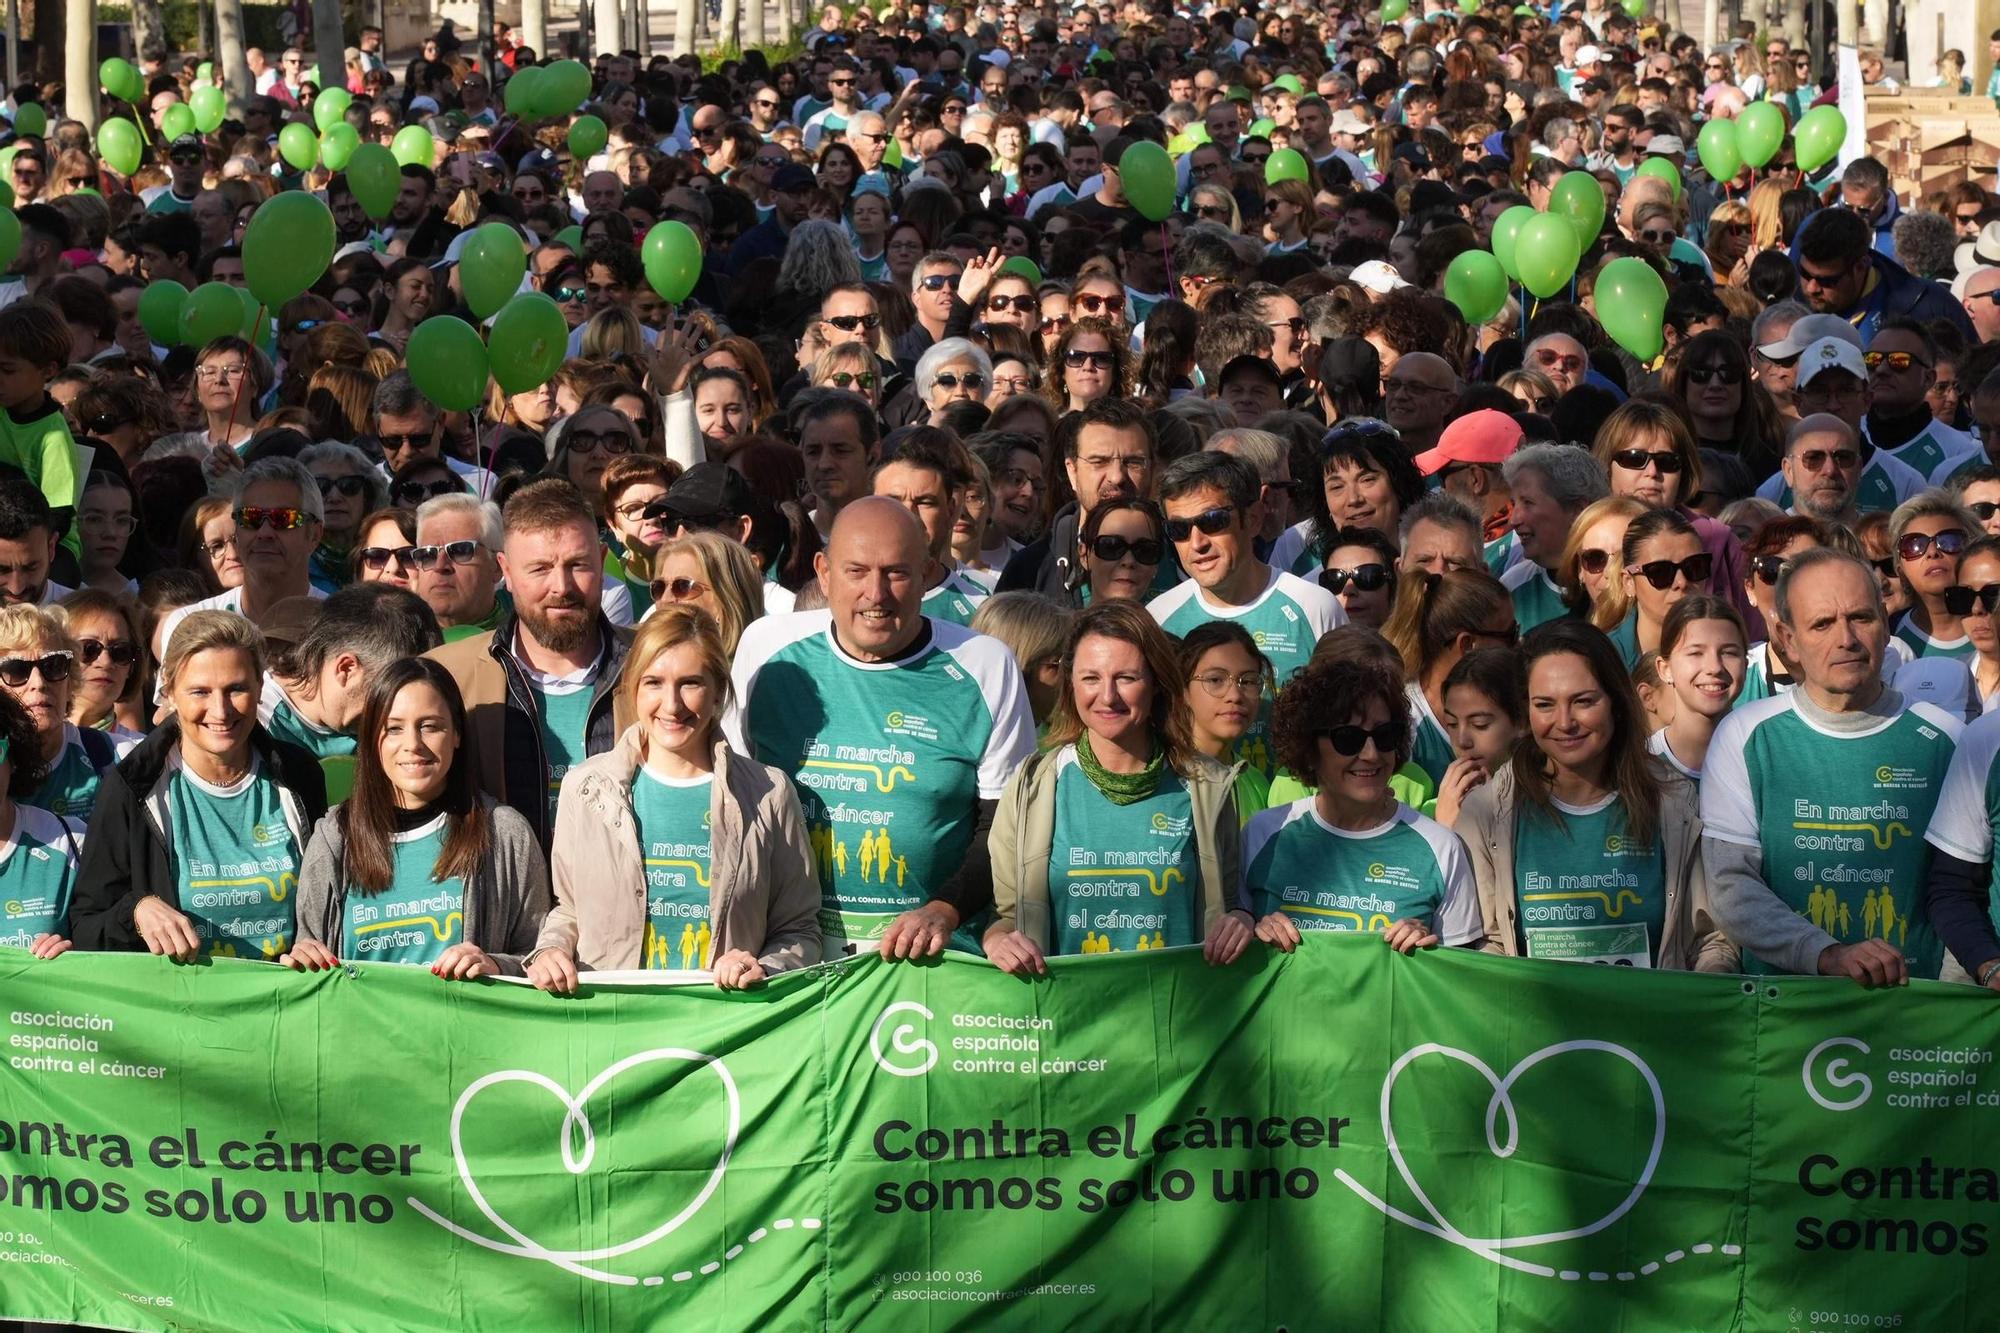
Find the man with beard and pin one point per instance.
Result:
(539, 687)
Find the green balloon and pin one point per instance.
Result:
(175, 121)
(1760, 132)
(330, 107)
(210, 106)
(447, 362)
(121, 79)
(298, 147)
(337, 145)
(1469, 6)
(287, 246)
(1477, 285)
(1197, 132)
(524, 92)
(252, 320)
(1506, 228)
(1631, 303)
(673, 260)
(1633, 8)
(205, 72)
(160, 310)
(1287, 164)
(1717, 148)
(1546, 252)
(1261, 129)
(1393, 10)
(212, 310)
(490, 267)
(1665, 170)
(527, 342)
(375, 177)
(1147, 175)
(565, 85)
(570, 238)
(118, 144)
(413, 145)
(1818, 137)
(1578, 197)
(31, 119)
(587, 137)
(7, 195)
(10, 236)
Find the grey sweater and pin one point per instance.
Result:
(504, 902)
(1758, 920)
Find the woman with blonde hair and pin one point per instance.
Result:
(38, 670)
(1212, 203)
(341, 399)
(709, 571)
(1767, 224)
(613, 331)
(849, 366)
(671, 850)
(1034, 626)
(1118, 772)
(1590, 553)
(1535, 391)
(1728, 243)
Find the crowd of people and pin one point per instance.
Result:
(973, 560)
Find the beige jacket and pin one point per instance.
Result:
(1690, 941)
(1024, 826)
(764, 895)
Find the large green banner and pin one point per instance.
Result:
(1339, 1139)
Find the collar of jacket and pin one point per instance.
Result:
(606, 789)
(143, 768)
(610, 652)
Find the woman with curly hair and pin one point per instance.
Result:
(1088, 362)
(1346, 722)
(1366, 481)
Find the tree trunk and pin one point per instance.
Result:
(149, 29)
(609, 34)
(229, 47)
(80, 98)
(535, 26)
(1795, 24)
(753, 23)
(725, 32)
(49, 29)
(1711, 23)
(329, 39)
(684, 16)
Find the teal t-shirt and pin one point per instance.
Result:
(37, 875)
(1624, 637)
(1921, 644)
(1589, 892)
(1431, 749)
(563, 719)
(1122, 877)
(1502, 553)
(1935, 446)
(950, 601)
(673, 816)
(1537, 600)
(70, 789)
(283, 720)
(236, 862)
(1409, 867)
(418, 916)
(1839, 819)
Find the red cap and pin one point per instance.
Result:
(1485, 436)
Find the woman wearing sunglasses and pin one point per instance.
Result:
(1438, 619)
(1648, 455)
(38, 668)
(1288, 211)
(849, 366)
(416, 866)
(232, 795)
(564, 285)
(1228, 677)
(1586, 848)
(952, 371)
(1660, 560)
(382, 547)
(1590, 553)
(1734, 417)
(672, 851)
(715, 574)
(1702, 657)
(39, 851)
(350, 487)
(586, 443)
(1010, 300)
(1351, 856)
(1928, 533)
(1974, 598)
(1118, 774)
(1122, 542)
(110, 670)
(1089, 362)
(1361, 572)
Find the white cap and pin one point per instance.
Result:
(1666, 145)
(1378, 276)
(1589, 55)
(1830, 354)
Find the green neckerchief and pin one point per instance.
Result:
(1121, 788)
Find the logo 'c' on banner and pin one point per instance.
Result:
(1343, 1138)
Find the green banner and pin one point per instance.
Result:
(1342, 1138)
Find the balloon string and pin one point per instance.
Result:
(140, 122)
(236, 400)
(486, 488)
(1167, 256)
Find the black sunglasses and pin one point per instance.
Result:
(15, 671)
(1958, 599)
(351, 487)
(855, 323)
(1365, 578)
(1660, 573)
(1111, 547)
(1348, 741)
(378, 557)
(1210, 521)
(413, 493)
(1635, 460)
(121, 651)
(1766, 568)
(1984, 510)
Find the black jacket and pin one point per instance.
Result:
(126, 855)
(1048, 565)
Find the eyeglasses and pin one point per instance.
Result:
(855, 323)
(1220, 684)
(677, 590)
(954, 109)
(123, 652)
(1897, 361)
(1025, 304)
(971, 379)
(848, 379)
(1076, 359)
(1808, 278)
(1348, 741)
(410, 494)
(1212, 213)
(1365, 578)
(1637, 460)
(1146, 550)
(1052, 323)
(840, 83)
(15, 671)
(351, 487)
(457, 553)
(1256, 159)
(278, 518)
(1592, 561)
(765, 104)
(596, 441)
(103, 423)
(1098, 305)
(567, 294)
(219, 372)
(1209, 521)
(1298, 328)
(393, 444)
(1651, 237)
(1782, 362)
(1984, 510)
(1704, 374)
(185, 159)
(377, 558)
(937, 282)
(1766, 568)
(1917, 545)
(1815, 460)
(1661, 573)
(1958, 599)
(1549, 360)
